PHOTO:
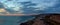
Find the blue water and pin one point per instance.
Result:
(14, 20)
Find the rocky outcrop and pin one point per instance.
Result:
(35, 21)
(49, 19)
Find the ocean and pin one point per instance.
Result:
(14, 20)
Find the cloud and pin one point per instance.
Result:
(41, 4)
(44, 4)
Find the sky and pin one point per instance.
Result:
(42, 5)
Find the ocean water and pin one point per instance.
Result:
(14, 20)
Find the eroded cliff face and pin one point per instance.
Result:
(49, 19)
(36, 21)
(52, 19)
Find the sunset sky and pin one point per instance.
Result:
(41, 7)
